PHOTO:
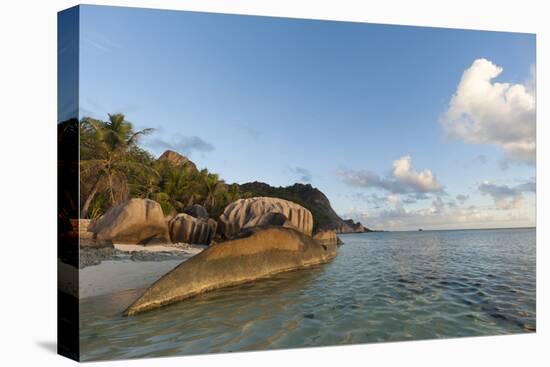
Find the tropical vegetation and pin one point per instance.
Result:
(114, 168)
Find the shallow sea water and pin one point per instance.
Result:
(387, 286)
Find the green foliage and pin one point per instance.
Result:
(165, 202)
(181, 187)
(110, 161)
(114, 168)
(98, 205)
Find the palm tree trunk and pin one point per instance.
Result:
(88, 202)
(111, 189)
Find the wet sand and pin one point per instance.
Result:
(106, 271)
(117, 275)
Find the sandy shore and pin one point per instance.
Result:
(104, 271)
(116, 275)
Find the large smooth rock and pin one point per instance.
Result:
(327, 238)
(269, 219)
(188, 229)
(258, 253)
(136, 221)
(246, 213)
(197, 211)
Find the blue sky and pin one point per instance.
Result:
(333, 104)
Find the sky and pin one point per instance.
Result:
(401, 127)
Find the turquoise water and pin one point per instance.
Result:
(388, 286)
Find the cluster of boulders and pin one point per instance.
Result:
(141, 221)
(256, 237)
(186, 228)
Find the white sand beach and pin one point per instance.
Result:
(116, 275)
(125, 272)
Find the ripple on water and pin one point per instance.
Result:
(381, 287)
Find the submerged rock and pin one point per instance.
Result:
(136, 221)
(188, 229)
(246, 213)
(257, 253)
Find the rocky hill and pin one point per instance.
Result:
(325, 218)
(357, 227)
(177, 160)
(311, 198)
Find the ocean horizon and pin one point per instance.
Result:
(448, 229)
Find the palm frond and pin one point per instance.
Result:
(135, 136)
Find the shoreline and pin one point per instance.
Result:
(125, 267)
(113, 276)
(159, 252)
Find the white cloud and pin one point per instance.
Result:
(485, 112)
(393, 199)
(462, 198)
(438, 216)
(437, 205)
(182, 144)
(403, 179)
(441, 215)
(507, 197)
(424, 181)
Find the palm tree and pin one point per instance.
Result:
(176, 186)
(106, 158)
(231, 194)
(179, 187)
(214, 188)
